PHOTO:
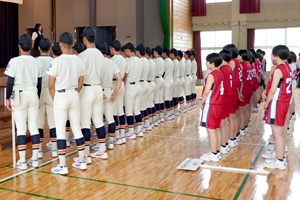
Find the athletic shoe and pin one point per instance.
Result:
(271, 140)
(60, 169)
(123, 140)
(68, 143)
(289, 132)
(158, 121)
(101, 155)
(232, 143)
(155, 123)
(276, 164)
(80, 165)
(96, 147)
(49, 144)
(131, 137)
(40, 155)
(21, 165)
(162, 119)
(238, 138)
(54, 153)
(88, 159)
(149, 128)
(73, 140)
(243, 132)
(255, 109)
(271, 147)
(167, 118)
(223, 150)
(110, 146)
(176, 113)
(227, 148)
(118, 141)
(180, 111)
(210, 157)
(219, 156)
(140, 134)
(269, 155)
(274, 159)
(33, 163)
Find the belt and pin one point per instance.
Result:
(187, 75)
(180, 76)
(132, 83)
(89, 84)
(193, 74)
(157, 76)
(141, 80)
(64, 90)
(20, 90)
(106, 89)
(114, 79)
(149, 81)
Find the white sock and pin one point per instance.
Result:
(67, 135)
(22, 155)
(117, 134)
(34, 154)
(122, 133)
(62, 160)
(54, 145)
(102, 147)
(81, 155)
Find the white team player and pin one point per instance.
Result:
(175, 95)
(46, 102)
(159, 81)
(65, 81)
(25, 78)
(181, 80)
(140, 53)
(168, 77)
(151, 88)
(119, 103)
(194, 78)
(188, 80)
(133, 72)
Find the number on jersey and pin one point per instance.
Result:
(221, 89)
(230, 77)
(289, 82)
(241, 76)
(249, 77)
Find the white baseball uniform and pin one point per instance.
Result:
(168, 77)
(151, 83)
(176, 70)
(188, 78)
(144, 83)
(159, 81)
(194, 75)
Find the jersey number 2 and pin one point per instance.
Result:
(288, 88)
(221, 89)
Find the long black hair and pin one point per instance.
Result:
(36, 28)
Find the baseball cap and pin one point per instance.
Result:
(116, 44)
(56, 49)
(174, 51)
(89, 32)
(158, 49)
(44, 43)
(66, 38)
(129, 46)
(180, 53)
(189, 53)
(79, 47)
(166, 50)
(102, 46)
(148, 51)
(140, 47)
(193, 53)
(25, 40)
(123, 48)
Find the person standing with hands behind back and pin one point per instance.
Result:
(37, 35)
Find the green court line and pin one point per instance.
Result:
(36, 195)
(133, 186)
(248, 174)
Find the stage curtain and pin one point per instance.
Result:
(197, 48)
(249, 6)
(198, 7)
(166, 18)
(250, 38)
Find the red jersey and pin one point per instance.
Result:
(237, 75)
(247, 74)
(216, 93)
(228, 75)
(284, 88)
(258, 67)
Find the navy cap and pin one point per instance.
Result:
(180, 53)
(116, 44)
(45, 44)
(102, 46)
(56, 49)
(174, 51)
(189, 53)
(158, 49)
(25, 40)
(129, 46)
(166, 50)
(66, 38)
(193, 53)
(89, 32)
(148, 51)
(79, 47)
(140, 47)
(123, 48)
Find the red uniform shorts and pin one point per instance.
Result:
(276, 112)
(211, 116)
(227, 107)
(235, 102)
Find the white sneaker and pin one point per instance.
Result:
(227, 148)
(144, 130)
(123, 140)
(223, 150)
(255, 109)
(68, 143)
(33, 163)
(131, 137)
(210, 157)
(96, 147)
(271, 140)
(269, 155)
(176, 113)
(101, 155)
(158, 121)
(54, 153)
(219, 156)
(73, 140)
(88, 159)
(21, 165)
(140, 134)
(155, 123)
(276, 164)
(243, 132)
(162, 119)
(49, 144)
(149, 128)
(110, 146)
(238, 138)
(167, 118)
(289, 132)
(118, 141)
(40, 154)
(80, 165)
(232, 143)
(60, 169)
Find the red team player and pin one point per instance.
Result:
(278, 92)
(212, 105)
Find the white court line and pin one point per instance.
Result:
(238, 170)
(41, 165)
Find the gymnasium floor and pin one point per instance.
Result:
(146, 168)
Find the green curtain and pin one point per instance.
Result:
(166, 18)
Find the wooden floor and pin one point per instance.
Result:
(146, 168)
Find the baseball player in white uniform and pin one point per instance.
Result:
(181, 79)
(159, 81)
(119, 103)
(111, 71)
(78, 48)
(188, 80)
(194, 78)
(91, 95)
(133, 72)
(140, 53)
(46, 102)
(151, 88)
(25, 80)
(65, 81)
(168, 77)
(173, 56)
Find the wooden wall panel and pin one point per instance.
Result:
(182, 24)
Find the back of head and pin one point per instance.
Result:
(292, 58)
(214, 58)
(232, 48)
(180, 53)
(116, 44)
(79, 47)
(174, 51)
(129, 46)
(141, 48)
(66, 39)
(44, 44)
(244, 54)
(226, 55)
(166, 51)
(188, 53)
(25, 42)
(158, 49)
(281, 51)
(102, 46)
(148, 51)
(90, 34)
(56, 49)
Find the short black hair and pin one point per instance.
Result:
(36, 27)
(25, 47)
(158, 49)
(226, 55)
(254, 53)
(90, 39)
(281, 51)
(292, 58)
(232, 48)
(263, 53)
(214, 58)
(245, 54)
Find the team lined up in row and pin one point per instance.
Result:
(84, 87)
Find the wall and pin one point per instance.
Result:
(182, 24)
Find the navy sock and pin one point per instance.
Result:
(21, 141)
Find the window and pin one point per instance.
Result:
(266, 39)
(213, 41)
(217, 1)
